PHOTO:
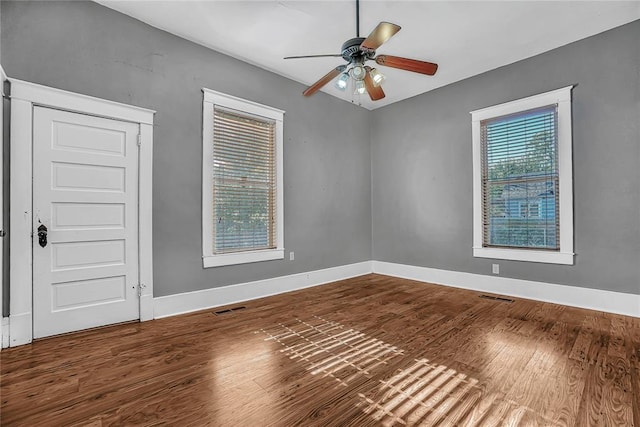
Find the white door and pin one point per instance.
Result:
(85, 192)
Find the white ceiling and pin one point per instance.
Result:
(464, 37)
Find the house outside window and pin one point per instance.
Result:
(530, 210)
(523, 197)
(242, 188)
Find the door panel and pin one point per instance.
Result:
(85, 191)
(84, 177)
(82, 293)
(87, 254)
(69, 216)
(71, 137)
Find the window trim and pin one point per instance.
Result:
(209, 259)
(561, 97)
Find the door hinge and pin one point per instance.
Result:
(141, 286)
(139, 140)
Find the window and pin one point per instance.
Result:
(522, 179)
(242, 191)
(529, 210)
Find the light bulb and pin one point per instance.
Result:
(359, 87)
(376, 76)
(341, 83)
(358, 72)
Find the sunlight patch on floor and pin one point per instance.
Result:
(427, 394)
(330, 349)
(423, 393)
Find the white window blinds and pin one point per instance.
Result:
(520, 180)
(244, 182)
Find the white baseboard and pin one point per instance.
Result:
(593, 299)
(172, 305)
(4, 332)
(20, 331)
(146, 307)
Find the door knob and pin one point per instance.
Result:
(42, 235)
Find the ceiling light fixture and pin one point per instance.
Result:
(356, 52)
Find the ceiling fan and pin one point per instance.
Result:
(357, 51)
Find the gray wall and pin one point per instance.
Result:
(87, 48)
(422, 165)
(401, 193)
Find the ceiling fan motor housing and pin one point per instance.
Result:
(351, 50)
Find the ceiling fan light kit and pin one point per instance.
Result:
(356, 52)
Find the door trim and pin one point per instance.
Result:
(3, 77)
(24, 95)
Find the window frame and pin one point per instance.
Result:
(561, 98)
(211, 99)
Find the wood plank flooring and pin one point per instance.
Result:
(368, 351)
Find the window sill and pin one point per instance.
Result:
(525, 255)
(242, 257)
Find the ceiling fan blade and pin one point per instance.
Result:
(428, 68)
(383, 32)
(336, 55)
(324, 80)
(375, 92)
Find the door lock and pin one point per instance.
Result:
(42, 235)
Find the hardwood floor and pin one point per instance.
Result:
(368, 351)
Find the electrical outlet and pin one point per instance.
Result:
(292, 256)
(495, 268)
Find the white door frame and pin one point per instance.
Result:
(3, 333)
(24, 96)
